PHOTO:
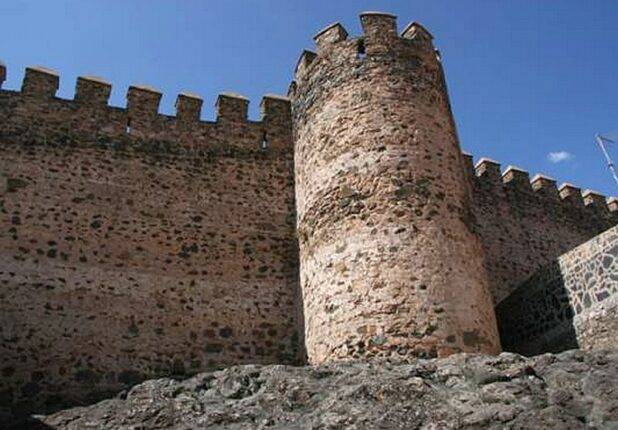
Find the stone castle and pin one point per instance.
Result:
(346, 223)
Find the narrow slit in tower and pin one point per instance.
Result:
(360, 54)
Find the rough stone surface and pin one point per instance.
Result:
(389, 263)
(135, 244)
(571, 390)
(570, 303)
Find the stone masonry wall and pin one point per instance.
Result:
(390, 266)
(136, 245)
(526, 224)
(570, 303)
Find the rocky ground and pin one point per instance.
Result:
(571, 390)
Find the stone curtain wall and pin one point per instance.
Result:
(526, 224)
(135, 245)
(570, 303)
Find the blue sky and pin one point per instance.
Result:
(526, 78)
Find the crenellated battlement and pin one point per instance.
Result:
(40, 82)
(487, 168)
(545, 185)
(37, 113)
(90, 112)
(188, 107)
(332, 34)
(92, 91)
(488, 175)
(515, 178)
(379, 31)
(571, 194)
(379, 37)
(416, 31)
(595, 200)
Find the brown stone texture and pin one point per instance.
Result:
(569, 303)
(135, 245)
(389, 263)
(524, 226)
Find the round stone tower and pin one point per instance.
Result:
(389, 264)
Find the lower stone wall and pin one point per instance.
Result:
(570, 303)
(118, 265)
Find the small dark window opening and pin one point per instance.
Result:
(264, 143)
(360, 54)
(128, 127)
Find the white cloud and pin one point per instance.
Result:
(559, 156)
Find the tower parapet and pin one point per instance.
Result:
(389, 264)
(332, 34)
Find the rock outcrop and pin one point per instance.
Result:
(571, 390)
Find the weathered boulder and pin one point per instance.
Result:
(571, 390)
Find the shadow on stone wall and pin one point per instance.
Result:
(569, 303)
(538, 316)
(22, 414)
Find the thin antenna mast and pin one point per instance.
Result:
(610, 164)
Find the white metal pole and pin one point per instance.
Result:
(601, 142)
